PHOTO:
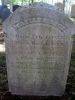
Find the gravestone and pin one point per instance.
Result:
(73, 10)
(59, 5)
(4, 12)
(15, 7)
(38, 48)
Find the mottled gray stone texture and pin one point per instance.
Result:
(38, 49)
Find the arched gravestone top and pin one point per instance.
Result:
(38, 48)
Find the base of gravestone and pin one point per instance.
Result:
(9, 96)
(37, 94)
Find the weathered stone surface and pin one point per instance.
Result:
(38, 48)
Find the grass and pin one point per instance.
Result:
(73, 19)
(3, 74)
(2, 59)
